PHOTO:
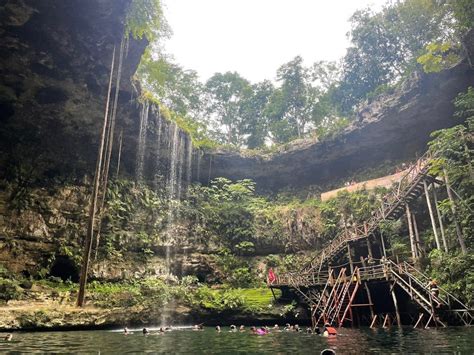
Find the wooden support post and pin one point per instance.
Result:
(349, 256)
(440, 220)
(430, 209)
(93, 205)
(419, 247)
(383, 245)
(374, 319)
(395, 303)
(369, 249)
(410, 231)
(369, 297)
(420, 317)
(385, 321)
(453, 210)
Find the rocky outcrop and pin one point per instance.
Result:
(394, 126)
(54, 67)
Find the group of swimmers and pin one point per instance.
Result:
(326, 331)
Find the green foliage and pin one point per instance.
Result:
(386, 45)
(9, 290)
(454, 273)
(145, 19)
(226, 93)
(438, 56)
(463, 11)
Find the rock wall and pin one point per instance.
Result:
(54, 68)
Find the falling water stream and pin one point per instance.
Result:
(142, 141)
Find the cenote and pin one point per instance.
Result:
(186, 341)
(138, 192)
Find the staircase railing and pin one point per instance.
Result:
(390, 202)
(444, 296)
(347, 286)
(330, 298)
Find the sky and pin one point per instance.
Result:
(255, 37)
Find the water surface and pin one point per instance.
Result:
(455, 340)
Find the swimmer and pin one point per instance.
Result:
(145, 331)
(242, 328)
(218, 328)
(329, 331)
(162, 330)
(309, 330)
(8, 337)
(276, 327)
(297, 328)
(287, 327)
(125, 331)
(233, 328)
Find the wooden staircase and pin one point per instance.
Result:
(445, 306)
(393, 206)
(335, 301)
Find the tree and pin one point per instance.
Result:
(290, 105)
(253, 111)
(226, 94)
(178, 89)
(385, 45)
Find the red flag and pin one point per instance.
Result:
(271, 276)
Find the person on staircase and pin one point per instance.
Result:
(434, 290)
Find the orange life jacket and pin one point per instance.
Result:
(331, 330)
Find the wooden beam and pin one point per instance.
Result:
(369, 297)
(410, 231)
(430, 210)
(395, 303)
(440, 220)
(349, 256)
(419, 246)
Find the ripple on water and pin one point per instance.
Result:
(186, 341)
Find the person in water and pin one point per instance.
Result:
(233, 328)
(297, 328)
(8, 337)
(218, 329)
(242, 328)
(329, 331)
(125, 331)
(145, 331)
(276, 327)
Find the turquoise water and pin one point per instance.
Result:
(185, 341)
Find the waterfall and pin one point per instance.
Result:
(159, 124)
(142, 141)
(179, 186)
(189, 161)
(198, 165)
(173, 143)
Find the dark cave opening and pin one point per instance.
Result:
(64, 268)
